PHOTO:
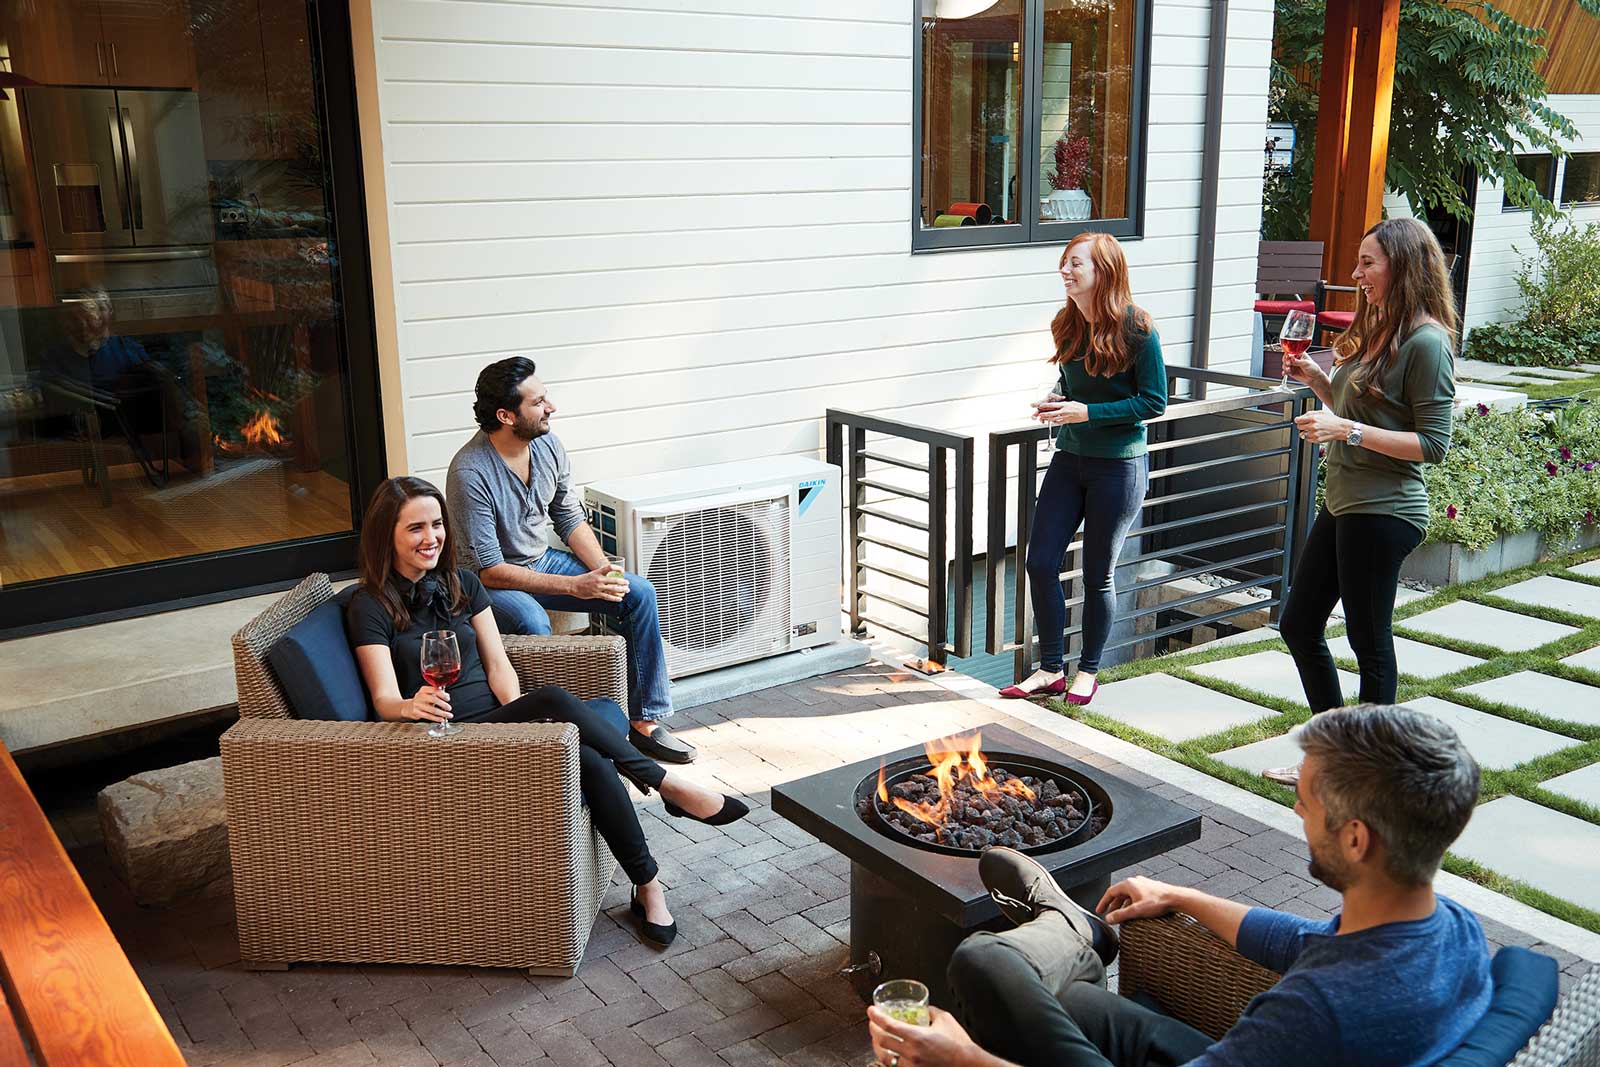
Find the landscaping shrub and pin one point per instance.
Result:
(1507, 472)
(1560, 319)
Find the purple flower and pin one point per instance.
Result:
(1483, 409)
(1566, 453)
(1588, 467)
(1588, 517)
(1550, 469)
(1450, 512)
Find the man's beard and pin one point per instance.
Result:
(528, 429)
(1330, 871)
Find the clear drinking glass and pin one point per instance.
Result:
(618, 566)
(1051, 394)
(904, 999)
(1295, 337)
(441, 666)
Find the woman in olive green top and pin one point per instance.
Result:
(1386, 411)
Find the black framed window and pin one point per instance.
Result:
(1581, 183)
(1540, 169)
(188, 373)
(1031, 120)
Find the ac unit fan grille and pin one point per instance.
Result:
(722, 581)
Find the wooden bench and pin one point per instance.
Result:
(70, 996)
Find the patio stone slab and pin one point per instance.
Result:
(1550, 851)
(1582, 784)
(1555, 698)
(1466, 621)
(1173, 708)
(1280, 751)
(1588, 570)
(1497, 744)
(1414, 657)
(1270, 672)
(1551, 592)
(1588, 659)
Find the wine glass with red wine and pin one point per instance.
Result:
(1295, 337)
(441, 666)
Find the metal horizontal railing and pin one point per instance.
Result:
(1283, 496)
(948, 629)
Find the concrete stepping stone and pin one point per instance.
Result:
(1466, 621)
(1497, 744)
(1173, 708)
(1588, 570)
(1558, 374)
(1415, 658)
(1582, 784)
(1588, 659)
(1551, 592)
(1280, 751)
(1270, 672)
(1555, 698)
(1550, 851)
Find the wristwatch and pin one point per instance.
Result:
(1353, 438)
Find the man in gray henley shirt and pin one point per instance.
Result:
(522, 529)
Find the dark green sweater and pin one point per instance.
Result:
(1118, 405)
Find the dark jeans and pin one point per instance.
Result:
(1105, 495)
(1354, 558)
(1033, 996)
(603, 754)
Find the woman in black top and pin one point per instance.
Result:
(404, 593)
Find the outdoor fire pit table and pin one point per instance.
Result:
(912, 902)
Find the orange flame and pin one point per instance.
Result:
(948, 766)
(260, 433)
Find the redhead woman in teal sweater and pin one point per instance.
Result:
(1112, 379)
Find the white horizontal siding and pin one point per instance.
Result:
(695, 216)
(1501, 238)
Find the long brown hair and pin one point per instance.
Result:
(1419, 284)
(1103, 344)
(377, 547)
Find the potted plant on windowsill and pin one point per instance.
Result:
(1068, 201)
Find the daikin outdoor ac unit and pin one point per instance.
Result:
(744, 556)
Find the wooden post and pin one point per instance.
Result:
(1353, 104)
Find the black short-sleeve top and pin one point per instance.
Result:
(368, 623)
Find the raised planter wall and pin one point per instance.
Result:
(1441, 563)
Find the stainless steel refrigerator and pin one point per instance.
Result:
(122, 181)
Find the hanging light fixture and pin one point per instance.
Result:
(955, 9)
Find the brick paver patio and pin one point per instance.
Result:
(762, 909)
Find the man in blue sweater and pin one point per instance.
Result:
(1397, 978)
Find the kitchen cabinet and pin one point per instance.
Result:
(121, 43)
(257, 95)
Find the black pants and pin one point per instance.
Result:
(1105, 496)
(1032, 996)
(1354, 558)
(604, 758)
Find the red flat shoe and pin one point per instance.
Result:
(1083, 700)
(1016, 692)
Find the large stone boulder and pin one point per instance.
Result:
(167, 831)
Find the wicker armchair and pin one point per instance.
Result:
(1198, 978)
(374, 843)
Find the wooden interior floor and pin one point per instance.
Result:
(57, 527)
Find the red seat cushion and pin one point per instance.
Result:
(1283, 307)
(1336, 320)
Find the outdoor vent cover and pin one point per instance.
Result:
(722, 578)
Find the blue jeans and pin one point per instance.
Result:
(649, 691)
(1105, 495)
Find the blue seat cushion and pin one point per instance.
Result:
(1526, 986)
(318, 673)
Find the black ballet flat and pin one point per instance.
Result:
(654, 933)
(733, 809)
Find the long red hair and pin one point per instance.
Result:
(1101, 344)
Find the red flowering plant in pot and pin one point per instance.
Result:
(1067, 198)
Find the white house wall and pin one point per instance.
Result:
(1500, 238)
(695, 216)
